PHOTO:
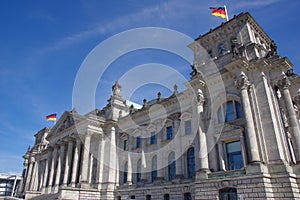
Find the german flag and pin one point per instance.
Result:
(219, 12)
(51, 117)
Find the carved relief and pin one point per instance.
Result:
(243, 82)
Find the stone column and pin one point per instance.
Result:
(68, 163)
(52, 168)
(101, 148)
(91, 160)
(283, 85)
(46, 172)
(75, 161)
(243, 84)
(29, 174)
(221, 156)
(58, 167)
(203, 154)
(129, 170)
(85, 160)
(297, 101)
(34, 179)
(243, 148)
(113, 156)
(23, 181)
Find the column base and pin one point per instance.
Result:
(84, 185)
(202, 174)
(159, 181)
(73, 184)
(55, 188)
(255, 168)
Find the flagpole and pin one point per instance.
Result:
(226, 13)
(55, 119)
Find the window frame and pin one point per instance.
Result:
(229, 155)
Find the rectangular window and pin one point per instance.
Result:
(188, 127)
(153, 138)
(234, 155)
(125, 145)
(169, 133)
(138, 142)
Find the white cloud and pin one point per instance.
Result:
(163, 13)
(253, 4)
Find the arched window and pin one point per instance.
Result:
(228, 194)
(229, 111)
(191, 167)
(187, 196)
(139, 170)
(154, 168)
(125, 173)
(171, 166)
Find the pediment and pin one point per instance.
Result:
(65, 122)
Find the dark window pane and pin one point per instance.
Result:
(222, 49)
(187, 196)
(228, 194)
(239, 110)
(125, 145)
(230, 113)
(191, 163)
(171, 166)
(138, 142)
(153, 138)
(234, 155)
(169, 132)
(166, 197)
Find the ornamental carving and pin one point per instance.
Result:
(243, 82)
(284, 82)
(200, 97)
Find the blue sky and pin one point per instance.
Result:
(43, 44)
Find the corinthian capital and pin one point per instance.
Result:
(284, 82)
(242, 81)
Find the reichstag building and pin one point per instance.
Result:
(233, 133)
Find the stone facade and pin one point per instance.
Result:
(232, 134)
